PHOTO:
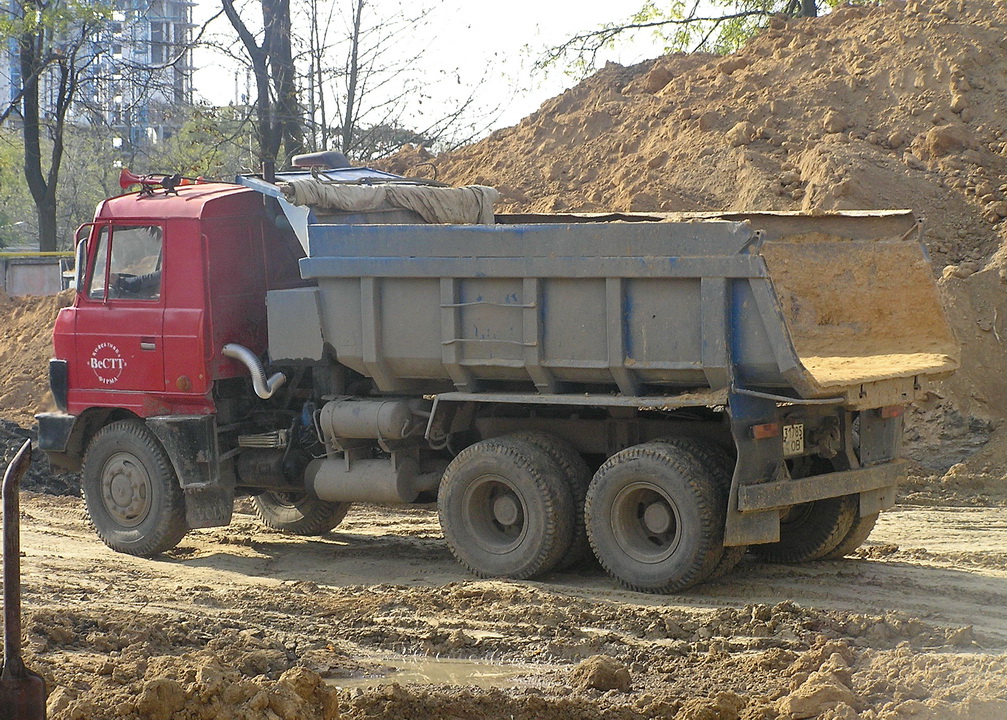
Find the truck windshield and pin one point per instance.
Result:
(134, 263)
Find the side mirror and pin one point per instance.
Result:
(80, 256)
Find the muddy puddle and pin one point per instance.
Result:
(439, 671)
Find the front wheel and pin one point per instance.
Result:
(298, 513)
(132, 495)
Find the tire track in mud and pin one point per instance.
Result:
(383, 593)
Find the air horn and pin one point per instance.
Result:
(147, 183)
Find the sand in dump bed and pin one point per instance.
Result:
(860, 311)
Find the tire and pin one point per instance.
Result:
(717, 461)
(298, 513)
(500, 513)
(811, 531)
(654, 518)
(856, 537)
(132, 495)
(577, 476)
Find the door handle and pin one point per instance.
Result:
(148, 345)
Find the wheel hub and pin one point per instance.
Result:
(506, 509)
(657, 518)
(126, 489)
(494, 514)
(645, 522)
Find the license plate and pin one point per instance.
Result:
(793, 439)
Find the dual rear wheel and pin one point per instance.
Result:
(653, 514)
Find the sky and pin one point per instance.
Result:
(488, 46)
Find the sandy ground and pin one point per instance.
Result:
(376, 620)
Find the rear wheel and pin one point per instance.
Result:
(654, 518)
(299, 513)
(811, 530)
(720, 465)
(577, 476)
(501, 512)
(132, 495)
(856, 537)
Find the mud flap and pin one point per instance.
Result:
(758, 461)
(208, 507)
(208, 483)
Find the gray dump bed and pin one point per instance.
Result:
(805, 306)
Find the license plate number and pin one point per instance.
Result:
(793, 439)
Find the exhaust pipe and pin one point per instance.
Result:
(263, 388)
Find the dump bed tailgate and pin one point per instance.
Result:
(860, 307)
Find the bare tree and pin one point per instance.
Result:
(366, 81)
(278, 115)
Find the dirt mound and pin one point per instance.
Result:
(903, 105)
(869, 107)
(25, 349)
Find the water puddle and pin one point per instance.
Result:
(435, 671)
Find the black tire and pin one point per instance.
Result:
(654, 518)
(132, 495)
(719, 463)
(501, 514)
(856, 537)
(298, 513)
(811, 531)
(577, 476)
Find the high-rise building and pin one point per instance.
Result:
(136, 72)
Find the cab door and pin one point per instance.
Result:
(120, 317)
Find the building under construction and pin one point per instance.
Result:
(135, 73)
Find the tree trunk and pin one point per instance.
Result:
(267, 133)
(29, 49)
(352, 75)
(276, 42)
(47, 227)
(809, 8)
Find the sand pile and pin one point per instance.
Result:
(903, 105)
(897, 106)
(25, 348)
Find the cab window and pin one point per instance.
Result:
(127, 264)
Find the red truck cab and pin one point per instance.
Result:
(164, 281)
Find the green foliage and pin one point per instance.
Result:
(720, 26)
(215, 142)
(17, 211)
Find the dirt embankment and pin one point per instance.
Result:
(25, 348)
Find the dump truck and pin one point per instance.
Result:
(661, 392)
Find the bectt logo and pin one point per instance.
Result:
(107, 363)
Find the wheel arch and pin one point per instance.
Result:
(65, 438)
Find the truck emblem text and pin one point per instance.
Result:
(107, 363)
